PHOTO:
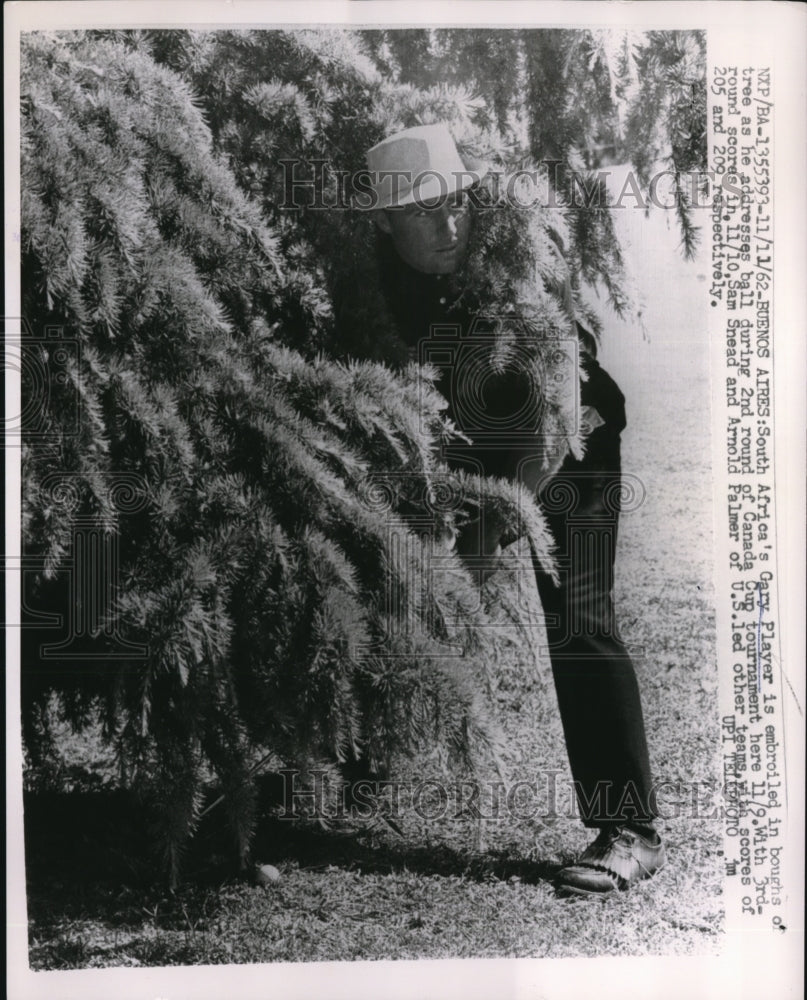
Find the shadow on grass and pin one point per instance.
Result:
(90, 855)
(314, 848)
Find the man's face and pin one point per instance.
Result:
(432, 238)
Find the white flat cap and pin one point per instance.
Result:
(418, 164)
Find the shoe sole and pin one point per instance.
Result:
(573, 890)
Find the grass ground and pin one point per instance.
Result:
(448, 887)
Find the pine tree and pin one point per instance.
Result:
(244, 459)
(236, 484)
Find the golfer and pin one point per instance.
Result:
(424, 221)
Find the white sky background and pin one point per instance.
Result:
(672, 292)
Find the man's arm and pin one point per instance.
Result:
(511, 446)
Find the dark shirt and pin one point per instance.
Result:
(441, 324)
(500, 411)
(584, 494)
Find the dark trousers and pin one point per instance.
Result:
(595, 680)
